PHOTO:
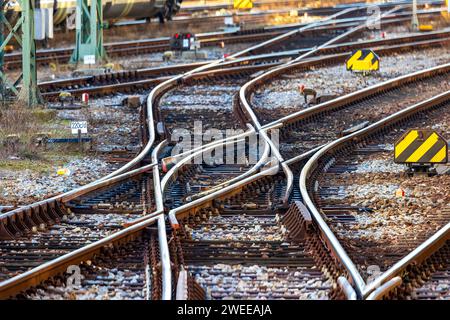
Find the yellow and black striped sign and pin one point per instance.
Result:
(363, 60)
(421, 146)
(243, 4)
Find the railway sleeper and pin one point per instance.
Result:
(29, 219)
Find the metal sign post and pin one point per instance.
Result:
(414, 19)
(79, 127)
(89, 32)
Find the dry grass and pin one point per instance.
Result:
(19, 126)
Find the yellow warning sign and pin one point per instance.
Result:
(421, 146)
(425, 27)
(363, 60)
(243, 4)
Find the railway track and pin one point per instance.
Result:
(212, 276)
(217, 278)
(128, 272)
(412, 233)
(145, 46)
(309, 133)
(364, 225)
(228, 224)
(242, 249)
(143, 79)
(18, 222)
(206, 101)
(42, 239)
(428, 280)
(266, 201)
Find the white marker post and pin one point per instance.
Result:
(89, 59)
(79, 127)
(414, 19)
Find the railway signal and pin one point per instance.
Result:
(420, 149)
(363, 60)
(182, 41)
(85, 99)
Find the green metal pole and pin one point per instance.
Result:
(29, 93)
(2, 53)
(414, 18)
(101, 53)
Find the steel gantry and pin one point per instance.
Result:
(89, 33)
(29, 92)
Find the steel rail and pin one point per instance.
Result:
(187, 156)
(243, 92)
(41, 273)
(198, 203)
(172, 173)
(13, 60)
(381, 291)
(347, 288)
(37, 275)
(295, 32)
(358, 95)
(51, 89)
(361, 288)
(263, 133)
(162, 235)
(176, 158)
(149, 218)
